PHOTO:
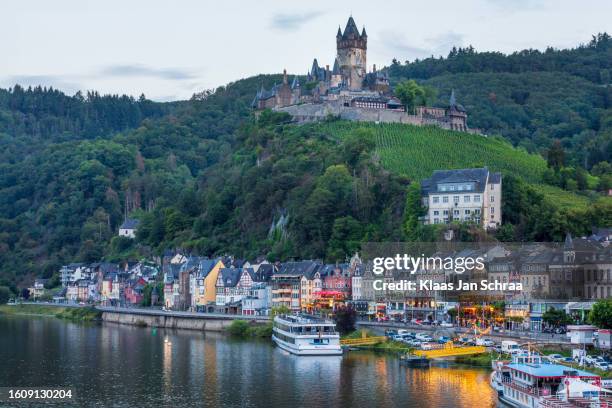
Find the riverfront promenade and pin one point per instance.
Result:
(520, 336)
(159, 317)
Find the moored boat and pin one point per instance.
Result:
(306, 335)
(414, 361)
(530, 382)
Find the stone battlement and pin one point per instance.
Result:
(312, 112)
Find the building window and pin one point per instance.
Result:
(445, 199)
(492, 199)
(466, 199)
(436, 212)
(477, 211)
(492, 210)
(436, 220)
(436, 200)
(456, 212)
(456, 199)
(445, 212)
(476, 198)
(467, 212)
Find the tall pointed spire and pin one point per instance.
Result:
(295, 83)
(452, 101)
(351, 30)
(363, 32)
(336, 69)
(339, 33)
(569, 242)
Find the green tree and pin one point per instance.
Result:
(410, 94)
(413, 210)
(601, 314)
(345, 238)
(280, 310)
(556, 155)
(5, 294)
(556, 317)
(345, 319)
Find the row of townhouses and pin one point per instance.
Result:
(579, 270)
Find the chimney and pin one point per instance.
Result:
(285, 76)
(374, 68)
(327, 73)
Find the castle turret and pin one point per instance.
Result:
(336, 75)
(352, 47)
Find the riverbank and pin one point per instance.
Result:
(86, 314)
(387, 346)
(476, 360)
(244, 329)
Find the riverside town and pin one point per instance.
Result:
(269, 204)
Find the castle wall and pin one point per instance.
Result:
(310, 112)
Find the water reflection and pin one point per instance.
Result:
(113, 365)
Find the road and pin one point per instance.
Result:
(380, 327)
(154, 312)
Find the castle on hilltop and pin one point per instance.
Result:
(348, 91)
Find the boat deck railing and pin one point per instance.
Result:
(305, 319)
(555, 402)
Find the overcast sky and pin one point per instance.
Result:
(171, 49)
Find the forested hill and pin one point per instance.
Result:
(530, 97)
(205, 176)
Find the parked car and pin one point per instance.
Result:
(488, 343)
(446, 324)
(566, 360)
(423, 337)
(590, 360)
(602, 365)
(426, 346)
(416, 321)
(463, 340)
(554, 357)
(390, 333)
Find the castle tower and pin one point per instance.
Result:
(352, 47)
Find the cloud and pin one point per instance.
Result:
(403, 48)
(138, 70)
(292, 22)
(442, 43)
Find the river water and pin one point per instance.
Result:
(125, 366)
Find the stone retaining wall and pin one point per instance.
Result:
(190, 323)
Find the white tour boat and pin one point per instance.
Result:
(306, 335)
(528, 381)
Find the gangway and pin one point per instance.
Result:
(362, 341)
(450, 350)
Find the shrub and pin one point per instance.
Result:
(238, 328)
